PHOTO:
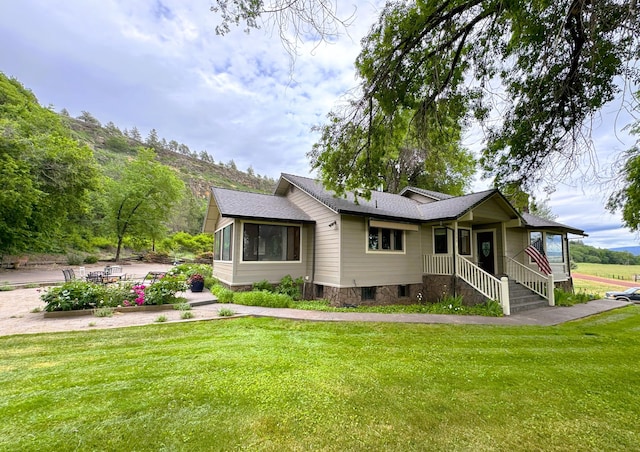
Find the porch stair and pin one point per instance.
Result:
(523, 299)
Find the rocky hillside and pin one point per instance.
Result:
(112, 147)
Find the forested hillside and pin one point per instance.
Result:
(589, 254)
(67, 182)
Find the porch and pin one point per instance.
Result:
(503, 288)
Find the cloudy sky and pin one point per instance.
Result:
(159, 64)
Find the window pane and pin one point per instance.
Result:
(440, 241)
(464, 242)
(293, 243)
(554, 248)
(274, 242)
(250, 242)
(217, 242)
(386, 239)
(373, 238)
(398, 245)
(227, 234)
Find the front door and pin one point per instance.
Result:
(486, 254)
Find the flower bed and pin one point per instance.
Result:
(86, 296)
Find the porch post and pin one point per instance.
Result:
(550, 290)
(504, 294)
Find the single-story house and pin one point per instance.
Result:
(392, 248)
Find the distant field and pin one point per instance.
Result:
(612, 271)
(619, 272)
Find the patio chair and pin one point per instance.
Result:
(95, 277)
(113, 273)
(69, 274)
(152, 277)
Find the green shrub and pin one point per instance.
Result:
(187, 315)
(102, 243)
(290, 287)
(263, 285)
(223, 294)
(74, 259)
(74, 295)
(91, 259)
(563, 298)
(161, 318)
(263, 298)
(182, 306)
(187, 270)
(225, 312)
(164, 291)
(103, 312)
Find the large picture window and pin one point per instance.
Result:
(384, 239)
(222, 244)
(270, 242)
(440, 241)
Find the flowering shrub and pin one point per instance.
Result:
(164, 291)
(75, 295)
(137, 291)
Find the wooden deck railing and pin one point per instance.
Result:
(537, 282)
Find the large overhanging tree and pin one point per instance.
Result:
(532, 74)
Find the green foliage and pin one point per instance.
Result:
(182, 306)
(161, 318)
(263, 285)
(187, 270)
(563, 298)
(290, 287)
(185, 242)
(103, 312)
(164, 291)
(531, 73)
(90, 259)
(627, 198)
(263, 298)
(46, 175)
(223, 294)
(75, 295)
(141, 201)
(226, 312)
(187, 315)
(74, 259)
(581, 253)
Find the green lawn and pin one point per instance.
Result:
(265, 384)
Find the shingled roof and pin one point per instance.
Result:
(278, 207)
(381, 204)
(534, 221)
(238, 204)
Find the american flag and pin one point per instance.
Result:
(536, 253)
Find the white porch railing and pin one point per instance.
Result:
(485, 283)
(537, 282)
(437, 264)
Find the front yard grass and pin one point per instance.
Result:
(268, 384)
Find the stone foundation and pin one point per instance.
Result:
(384, 295)
(436, 287)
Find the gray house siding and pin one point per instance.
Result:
(361, 267)
(327, 244)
